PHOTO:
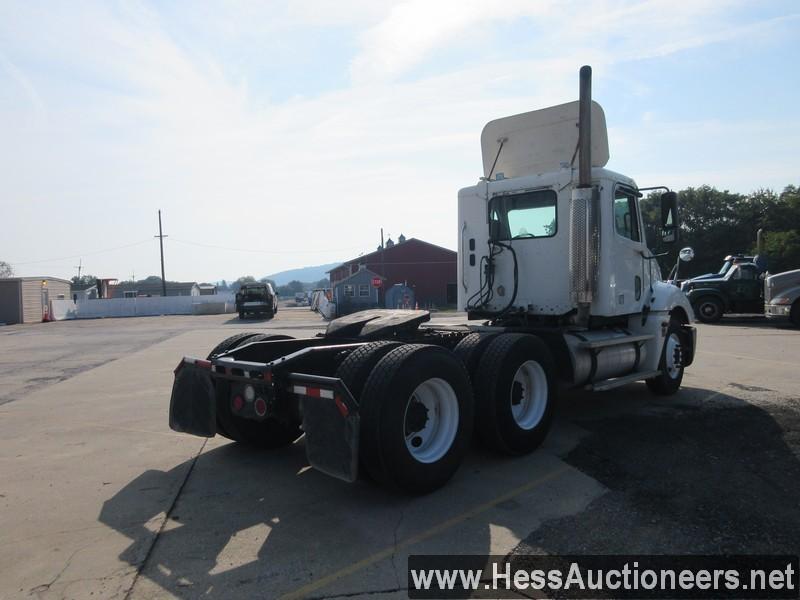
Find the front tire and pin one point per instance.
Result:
(708, 309)
(416, 418)
(515, 393)
(671, 364)
(794, 315)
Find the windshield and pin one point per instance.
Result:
(725, 267)
(254, 293)
(526, 215)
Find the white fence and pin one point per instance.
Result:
(142, 307)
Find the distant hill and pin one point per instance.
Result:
(304, 274)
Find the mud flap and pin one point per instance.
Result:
(193, 404)
(690, 339)
(331, 424)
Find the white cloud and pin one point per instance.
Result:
(142, 116)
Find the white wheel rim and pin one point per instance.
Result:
(672, 356)
(436, 401)
(529, 395)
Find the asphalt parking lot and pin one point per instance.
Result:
(98, 498)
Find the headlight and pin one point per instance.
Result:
(781, 300)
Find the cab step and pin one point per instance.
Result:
(615, 341)
(615, 382)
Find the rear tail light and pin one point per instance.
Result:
(260, 407)
(237, 403)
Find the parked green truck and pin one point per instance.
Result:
(743, 288)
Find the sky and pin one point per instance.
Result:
(281, 134)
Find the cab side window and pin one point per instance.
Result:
(626, 217)
(747, 272)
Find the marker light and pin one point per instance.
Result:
(260, 407)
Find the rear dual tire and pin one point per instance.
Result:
(515, 390)
(416, 418)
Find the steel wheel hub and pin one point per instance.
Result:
(431, 420)
(529, 394)
(673, 356)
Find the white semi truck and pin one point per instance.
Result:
(561, 291)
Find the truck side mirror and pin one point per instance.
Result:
(669, 217)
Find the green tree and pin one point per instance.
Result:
(241, 281)
(717, 223)
(270, 281)
(322, 283)
(294, 286)
(83, 280)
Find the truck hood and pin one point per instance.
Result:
(782, 281)
(706, 276)
(706, 279)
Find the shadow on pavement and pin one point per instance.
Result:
(684, 474)
(686, 477)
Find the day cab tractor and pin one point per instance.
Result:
(560, 290)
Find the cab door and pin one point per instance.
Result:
(630, 274)
(745, 288)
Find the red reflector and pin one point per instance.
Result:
(260, 407)
(341, 406)
(312, 392)
(237, 403)
(203, 364)
(268, 376)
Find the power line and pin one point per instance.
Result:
(58, 258)
(217, 247)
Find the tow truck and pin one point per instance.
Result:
(560, 290)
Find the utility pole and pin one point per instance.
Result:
(79, 266)
(161, 237)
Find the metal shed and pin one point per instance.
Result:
(26, 299)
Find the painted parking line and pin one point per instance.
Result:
(387, 552)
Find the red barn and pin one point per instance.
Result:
(428, 269)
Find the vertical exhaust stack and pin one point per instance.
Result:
(582, 232)
(585, 128)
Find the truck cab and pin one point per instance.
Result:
(739, 290)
